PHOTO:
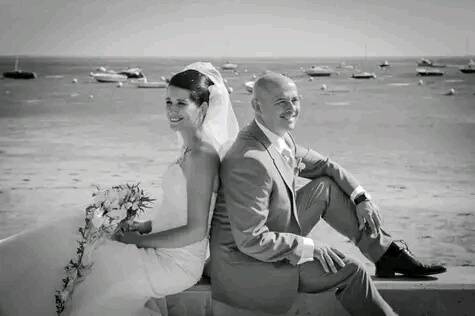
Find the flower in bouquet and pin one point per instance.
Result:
(111, 211)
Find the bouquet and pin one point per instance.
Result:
(112, 211)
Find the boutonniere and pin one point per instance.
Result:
(300, 165)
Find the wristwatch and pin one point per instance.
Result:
(361, 198)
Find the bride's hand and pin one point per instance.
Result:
(127, 237)
(141, 227)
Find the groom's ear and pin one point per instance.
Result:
(256, 105)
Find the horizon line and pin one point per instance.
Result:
(232, 57)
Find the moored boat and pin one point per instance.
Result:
(249, 85)
(469, 68)
(132, 73)
(18, 73)
(108, 77)
(426, 72)
(425, 62)
(384, 64)
(319, 71)
(228, 66)
(363, 75)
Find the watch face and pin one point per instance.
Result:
(360, 198)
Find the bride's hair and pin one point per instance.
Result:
(194, 81)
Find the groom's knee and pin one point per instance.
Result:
(354, 267)
(323, 182)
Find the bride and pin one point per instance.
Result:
(143, 263)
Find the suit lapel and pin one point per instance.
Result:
(285, 171)
(282, 166)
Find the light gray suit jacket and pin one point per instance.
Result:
(256, 238)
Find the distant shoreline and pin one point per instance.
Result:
(236, 57)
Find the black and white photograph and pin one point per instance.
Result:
(237, 157)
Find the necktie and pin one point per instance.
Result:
(288, 156)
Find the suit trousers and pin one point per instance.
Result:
(322, 198)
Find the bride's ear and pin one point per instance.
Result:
(204, 107)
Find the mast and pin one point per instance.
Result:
(16, 63)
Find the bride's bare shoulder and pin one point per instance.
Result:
(205, 151)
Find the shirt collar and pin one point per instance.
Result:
(275, 139)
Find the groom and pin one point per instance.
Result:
(260, 257)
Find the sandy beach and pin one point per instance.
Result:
(410, 146)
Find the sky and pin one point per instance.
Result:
(227, 28)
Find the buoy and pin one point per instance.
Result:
(225, 80)
(163, 78)
(236, 73)
(245, 69)
(101, 69)
(75, 80)
(451, 92)
(254, 76)
(421, 82)
(310, 79)
(119, 85)
(323, 87)
(91, 96)
(230, 90)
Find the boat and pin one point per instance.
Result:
(229, 66)
(343, 65)
(132, 73)
(364, 75)
(319, 71)
(384, 64)
(18, 73)
(426, 72)
(425, 62)
(108, 77)
(249, 85)
(469, 68)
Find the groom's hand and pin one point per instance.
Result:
(328, 257)
(368, 212)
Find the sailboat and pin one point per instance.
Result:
(19, 74)
(384, 64)
(364, 74)
(470, 67)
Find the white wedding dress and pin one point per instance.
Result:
(122, 278)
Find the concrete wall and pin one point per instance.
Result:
(452, 293)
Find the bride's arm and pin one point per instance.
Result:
(201, 170)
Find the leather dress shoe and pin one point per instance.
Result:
(399, 259)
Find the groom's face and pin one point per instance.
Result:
(278, 105)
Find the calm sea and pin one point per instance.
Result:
(412, 146)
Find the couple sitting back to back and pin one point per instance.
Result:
(261, 256)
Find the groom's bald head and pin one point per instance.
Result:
(269, 84)
(276, 102)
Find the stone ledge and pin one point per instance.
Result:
(451, 293)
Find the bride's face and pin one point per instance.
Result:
(182, 112)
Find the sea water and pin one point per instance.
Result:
(409, 144)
